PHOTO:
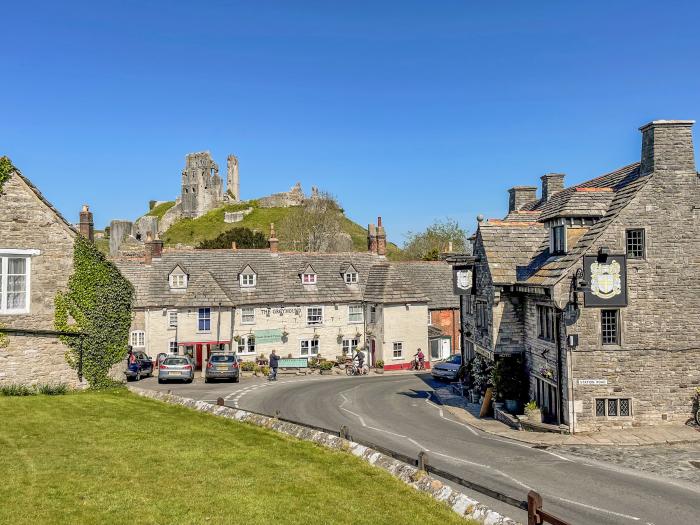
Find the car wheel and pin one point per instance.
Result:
(236, 379)
(161, 381)
(206, 379)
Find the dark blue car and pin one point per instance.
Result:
(143, 367)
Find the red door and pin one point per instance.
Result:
(198, 357)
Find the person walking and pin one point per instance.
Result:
(274, 363)
(360, 356)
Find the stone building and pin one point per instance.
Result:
(202, 188)
(36, 260)
(300, 304)
(597, 286)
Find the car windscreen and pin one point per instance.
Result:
(176, 361)
(222, 359)
(455, 359)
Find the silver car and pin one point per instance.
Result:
(447, 369)
(222, 366)
(176, 368)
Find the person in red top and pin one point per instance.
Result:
(420, 360)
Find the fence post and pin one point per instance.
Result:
(220, 401)
(422, 460)
(534, 504)
(344, 432)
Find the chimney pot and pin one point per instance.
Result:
(274, 242)
(86, 226)
(372, 238)
(381, 238)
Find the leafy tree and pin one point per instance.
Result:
(427, 245)
(315, 226)
(243, 237)
(6, 169)
(98, 305)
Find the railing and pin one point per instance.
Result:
(535, 514)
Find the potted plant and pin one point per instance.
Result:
(316, 337)
(326, 367)
(285, 336)
(340, 339)
(510, 381)
(547, 373)
(237, 338)
(379, 366)
(532, 411)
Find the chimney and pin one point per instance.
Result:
(372, 238)
(154, 248)
(233, 245)
(551, 184)
(381, 238)
(520, 196)
(86, 227)
(667, 145)
(274, 242)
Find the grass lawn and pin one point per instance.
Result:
(113, 457)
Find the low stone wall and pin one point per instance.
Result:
(34, 360)
(458, 502)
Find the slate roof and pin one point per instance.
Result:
(518, 252)
(213, 279)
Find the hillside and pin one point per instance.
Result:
(192, 231)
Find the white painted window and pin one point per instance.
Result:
(430, 318)
(308, 347)
(204, 320)
(248, 280)
(355, 313)
(372, 314)
(14, 284)
(138, 339)
(172, 318)
(397, 352)
(314, 315)
(246, 344)
(178, 280)
(248, 315)
(350, 345)
(308, 278)
(351, 277)
(173, 347)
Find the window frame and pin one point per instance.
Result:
(136, 337)
(310, 345)
(176, 285)
(317, 323)
(481, 315)
(373, 313)
(430, 317)
(243, 345)
(5, 257)
(603, 331)
(252, 277)
(170, 347)
(606, 406)
(350, 345)
(643, 243)
(245, 314)
(546, 323)
(206, 319)
(361, 314)
(172, 325)
(312, 278)
(394, 349)
(351, 278)
(559, 248)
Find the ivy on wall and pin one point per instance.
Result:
(97, 304)
(6, 168)
(4, 339)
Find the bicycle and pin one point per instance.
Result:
(355, 370)
(417, 364)
(697, 406)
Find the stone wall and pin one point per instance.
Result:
(293, 197)
(28, 223)
(448, 323)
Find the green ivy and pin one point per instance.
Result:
(4, 339)
(6, 169)
(98, 305)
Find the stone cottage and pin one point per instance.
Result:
(597, 286)
(36, 260)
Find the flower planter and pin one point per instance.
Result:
(534, 415)
(378, 370)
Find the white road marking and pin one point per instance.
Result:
(358, 416)
(605, 511)
(442, 415)
(418, 445)
(386, 431)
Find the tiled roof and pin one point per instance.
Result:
(577, 202)
(213, 279)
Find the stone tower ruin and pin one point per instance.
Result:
(233, 182)
(202, 188)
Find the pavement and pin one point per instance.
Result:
(401, 412)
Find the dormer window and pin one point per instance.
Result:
(558, 240)
(308, 278)
(178, 279)
(247, 278)
(349, 273)
(351, 278)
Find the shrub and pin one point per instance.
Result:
(379, 364)
(57, 389)
(510, 379)
(265, 370)
(313, 362)
(248, 366)
(531, 405)
(481, 373)
(326, 365)
(17, 390)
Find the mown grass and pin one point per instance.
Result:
(159, 211)
(112, 457)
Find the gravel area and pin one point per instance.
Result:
(671, 461)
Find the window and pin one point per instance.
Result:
(204, 318)
(545, 322)
(481, 315)
(351, 277)
(605, 407)
(372, 314)
(178, 280)
(397, 352)
(314, 315)
(308, 278)
(248, 315)
(469, 304)
(635, 244)
(609, 327)
(138, 339)
(308, 347)
(248, 280)
(172, 318)
(350, 345)
(14, 284)
(559, 239)
(355, 313)
(430, 318)
(246, 344)
(173, 347)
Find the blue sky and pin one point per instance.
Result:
(411, 110)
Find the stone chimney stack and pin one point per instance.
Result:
(233, 182)
(233, 246)
(274, 242)
(154, 248)
(520, 196)
(372, 238)
(551, 184)
(667, 145)
(381, 238)
(86, 226)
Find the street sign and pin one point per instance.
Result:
(463, 279)
(592, 381)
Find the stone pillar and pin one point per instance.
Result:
(551, 183)
(667, 145)
(371, 238)
(233, 183)
(520, 196)
(205, 358)
(274, 242)
(87, 227)
(381, 238)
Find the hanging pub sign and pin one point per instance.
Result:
(463, 277)
(606, 276)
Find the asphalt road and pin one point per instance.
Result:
(401, 413)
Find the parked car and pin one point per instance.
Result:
(143, 367)
(178, 368)
(222, 366)
(447, 369)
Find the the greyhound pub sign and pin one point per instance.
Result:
(607, 278)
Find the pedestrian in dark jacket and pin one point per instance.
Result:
(274, 364)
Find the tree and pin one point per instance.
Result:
(435, 239)
(243, 237)
(315, 226)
